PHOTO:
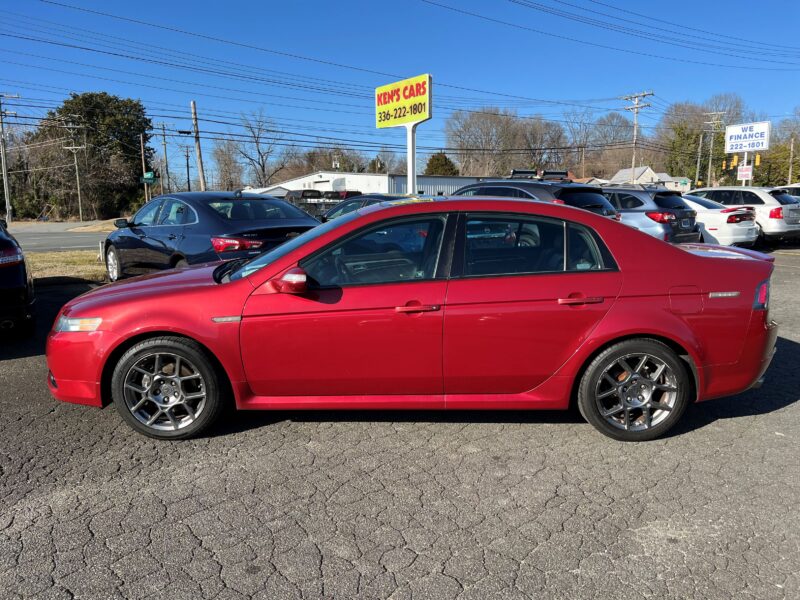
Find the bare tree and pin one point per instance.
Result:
(230, 172)
(259, 148)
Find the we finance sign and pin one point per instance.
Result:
(747, 137)
(403, 102)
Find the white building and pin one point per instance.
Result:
(647, 176)
(367, 183)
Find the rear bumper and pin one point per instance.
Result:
(748, 372)
(686, 238)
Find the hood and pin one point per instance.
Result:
(155, 284)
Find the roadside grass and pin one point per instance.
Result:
(70, 264)
(101, 227)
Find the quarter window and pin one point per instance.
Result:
(399, 251)
(628, 201)
(583, 253)
(750, 198)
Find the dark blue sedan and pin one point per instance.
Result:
(189, 228)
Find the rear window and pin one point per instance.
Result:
(669, 201)
(586, 200)
(253, 209)
(784, 198)
(705, 203)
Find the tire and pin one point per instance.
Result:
(113, 266)
(156, 403)
(181, 264)
(633, 401)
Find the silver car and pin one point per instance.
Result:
(655, 210)
(777, 212)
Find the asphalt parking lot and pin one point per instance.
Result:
(402, 505)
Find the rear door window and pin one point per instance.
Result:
(628, 201)
(726, 197)
(344, 208)
(749, 198)
(174, 212)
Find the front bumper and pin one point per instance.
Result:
(75, 362)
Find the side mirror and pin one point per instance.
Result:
(121, 223)
(293, 281)
(322, 218)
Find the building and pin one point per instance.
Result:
(367, 183)
(646, 175)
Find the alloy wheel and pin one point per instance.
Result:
(636, 392)
(112, 265)
(164, 391)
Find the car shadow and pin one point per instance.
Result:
(781, 389)
(51, 295)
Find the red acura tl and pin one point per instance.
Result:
(449, 304)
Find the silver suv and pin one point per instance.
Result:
(777, 212)
(655, 210)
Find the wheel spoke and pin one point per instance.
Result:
(172, 420)
(177, 371)
(607, 393)
(136, 388)
(154, 417)
(189, 377)
(139, 404)
(658, 372)
(613, 410)
(627, 419)
(187, 407)
(194, 396)
(660, 406)
(642, 363)
(648, 417)
(610, 379)
(624, 364)
(157, 365)
(142, 371)
(665, 388)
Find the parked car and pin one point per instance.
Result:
(16, 287)
(197, 227)
(656, 211)
(340, 195)
(448, 319)
(777, 213)
(352, 204)
(301, 196)
(724, 225)
(547, 190)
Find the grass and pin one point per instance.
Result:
(101, 227)
(76, 264)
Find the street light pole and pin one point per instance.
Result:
(6, 188)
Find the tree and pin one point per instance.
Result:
(108, 128)
(230, 172)
(440, 164)
(259, 148)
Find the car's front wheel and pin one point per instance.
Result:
(167, 388)
(635, 390)
(113, 267)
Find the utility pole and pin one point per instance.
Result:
(637, 106)
(583, 162)
(699, 151)
(186, 149)
(715, 122)
(166, 159)
(144, 170)
(791, 159)
(6, 188)
(74, 149)
(198, 152)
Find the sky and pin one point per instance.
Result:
(312, 65)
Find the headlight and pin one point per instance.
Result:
(77, 324)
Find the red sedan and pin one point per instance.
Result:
(449, 304)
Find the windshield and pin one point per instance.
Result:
(784, 198)
(254, 209)
(704, 202)
(267, 258)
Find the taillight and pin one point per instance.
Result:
(11, 256)
(558, 201)
(232, 244)
(748, 216)
(776, 213)
(661, 217)
(762, 296)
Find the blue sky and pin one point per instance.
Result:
(506, 64)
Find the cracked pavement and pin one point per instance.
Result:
(402, 505)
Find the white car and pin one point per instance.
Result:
(777, 213)
(724, 225)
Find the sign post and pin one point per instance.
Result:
(747, 137)
(407, 103)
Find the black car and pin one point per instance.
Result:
(197, 227)
(566, 192)
(16, 287)
(352, 204)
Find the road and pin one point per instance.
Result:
(48, 237)
(402, 505)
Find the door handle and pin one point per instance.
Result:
(172, 236)
(581, 300)
(417, 308)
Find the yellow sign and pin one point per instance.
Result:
(403, 102)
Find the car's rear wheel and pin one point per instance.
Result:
(635, 390)
(113, 267)
(181, 264)
(167, 388)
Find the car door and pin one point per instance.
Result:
(165, 238)
(370, 324)
(516, 311)
(134, 247)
